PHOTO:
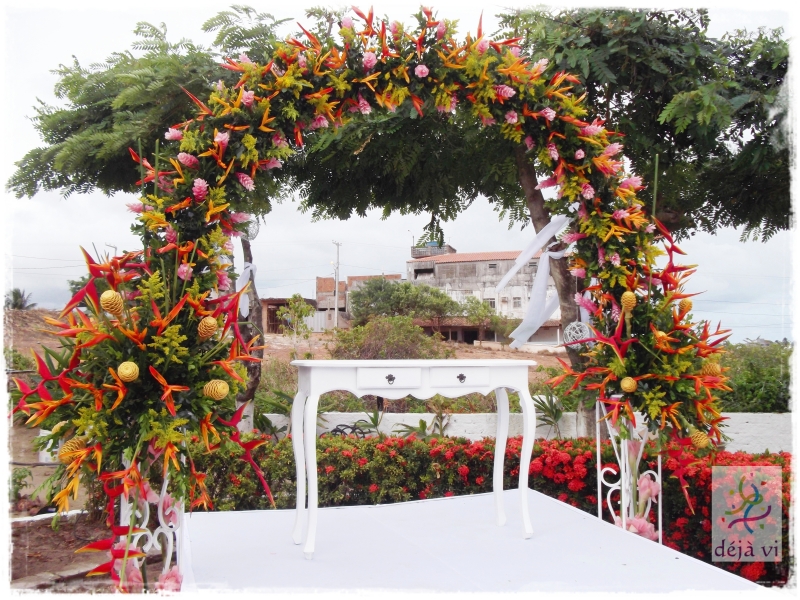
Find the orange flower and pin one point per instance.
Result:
(166, 397)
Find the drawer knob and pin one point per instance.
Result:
(461, 377)
(390, 378)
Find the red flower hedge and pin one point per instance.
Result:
(356, 471)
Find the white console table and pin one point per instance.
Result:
(395, 379)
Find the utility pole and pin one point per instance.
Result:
(336, 288)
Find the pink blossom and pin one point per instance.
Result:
(149, 494)
(515, 50)
(504, 91)
(363, 106)
(171, 235)
(547, 183)
(582, 214)
(170, 581)
(199, 189)
(615, 312)
(585, 303)
(421, 71)
(548, 113)
(483, 45)
(633, 183)
(579, 154)
(228, 247)
(451, 108)
(272, 163)
(318, 122)
(370, 60)
(639, 526)
(347, 23)
(153, 451)
(248, 97)
(219, 85)
(185, 272)
(394, 27)
(135, 207)
(301, 61)
(587, 191)
(539, 66)
(650, 228)
(552, 151)
(511, 117)
(593, 129)
(240, 217)
(172, 516)
(279, 140)
(573, 236)
(620, 214)
(441, 28)
(580, 272)
(133, 578)
(633, 447)
(529, 143)
(246, 181)
(648, 487)
(243, 58)
(174, 135)
(222, 138)
(615, 260)
(487, 121)
(612, 149)
(223, 280)
(188, 160)
(601, 256)
(165, 185)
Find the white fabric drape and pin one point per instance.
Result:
(540, 308)
(244, 279)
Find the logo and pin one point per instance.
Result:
(746, 514)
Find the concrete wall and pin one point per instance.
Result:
(751, 432)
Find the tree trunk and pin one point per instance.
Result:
(563, 279)
(250, 327)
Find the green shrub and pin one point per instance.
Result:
(759, 377)
(386, 338)
(17, 361)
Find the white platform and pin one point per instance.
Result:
(442, 545)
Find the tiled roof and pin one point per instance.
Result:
(472, 257)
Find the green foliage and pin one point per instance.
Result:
(19, 481)
(387, 338)
(379, 297)
(503, 326)
(760, 377)
(478, 313)
(293, 317)
(17, 299)
(550, 411)
(16, 361)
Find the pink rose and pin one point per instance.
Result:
(579, 154)
(185, 272)
(243, 58)
(171, 235)
(318, 122)
(552, 151)
(483, 45)
(612, 149)
(548, 113)
(370, 60)
(511, 117)
(170, 581)
(529, 142)
(504, 91)
(248, 98)
(240, 217)
(441, 28)
(421, 71)
(187, 160)
(587, 191)
(246, 181)
(633, 183)
(223, 280)
(199, 189)
(272, 163)
(174, 135)
(347, 23)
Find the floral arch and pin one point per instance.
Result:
(159, 356)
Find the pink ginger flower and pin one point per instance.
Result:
(174, 135)
(633, 183)
(595, 128)
(243, 58)
(272, 163)
(573, 236)
(240, 217)
(185, 272)
(223, 280)
(347, 23)
(580, 272)
(133, 578)
(170, 581)
(615, 260)
(620, 214)
(612, 149)
(165, 185)
(188, 160)
(135, 207)
(363, 106)
(441, 28)
(222, 138)
(639, 526)
(511, 117)
(394, 27)
(515, 51)
(200, 189)
(369, 61)
(552, 151)
(539, 66)
(301, 61)
(504, 91)
(483, 45)
(529, 143)
(582, 214)
(615, 312)
(228, 247)
(587, 191)
(601, 256)
(171, 235)
(421, 71)
(488, 121)
(548, 113)
(547, 183)
(585, 303)
(246, 181)
(318, 122)
(219, 86)
(650, 228)
(648, 488)
(279, 140)
(579, 154)
(248, 98)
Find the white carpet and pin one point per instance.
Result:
(442, 545)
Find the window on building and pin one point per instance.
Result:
(534, 264)
(423, 274)
(517, 302)
(491, 302)
(492, 266)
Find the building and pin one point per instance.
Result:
(269, 312)
(477, 274)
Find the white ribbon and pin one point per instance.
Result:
(540, 308)
(244, 278)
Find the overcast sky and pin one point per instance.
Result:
(748, 286)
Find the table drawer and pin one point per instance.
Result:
(389, 377)
(459, 376)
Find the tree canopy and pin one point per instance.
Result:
(380, 297)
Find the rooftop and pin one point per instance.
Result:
(473, 257)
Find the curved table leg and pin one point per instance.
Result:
(310, 441)
(528, 435)
(300, 464)
(500, 453)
